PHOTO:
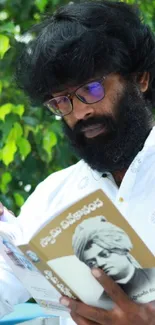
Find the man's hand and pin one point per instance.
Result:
(2, 211)
(126, 312)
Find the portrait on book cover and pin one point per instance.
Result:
(101, 244)
(97, 242)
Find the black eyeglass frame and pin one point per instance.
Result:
(71, 95)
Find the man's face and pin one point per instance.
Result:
(109, 133)
(115, 265)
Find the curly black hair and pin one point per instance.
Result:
(84, 40)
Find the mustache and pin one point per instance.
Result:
(107, 121)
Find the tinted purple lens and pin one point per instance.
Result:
(91, 92)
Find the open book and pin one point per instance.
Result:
(90, 233)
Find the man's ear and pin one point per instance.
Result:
(143, 81)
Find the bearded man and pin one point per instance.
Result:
(93, 64)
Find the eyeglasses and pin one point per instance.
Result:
(89, 93)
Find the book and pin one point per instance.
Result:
(59, 258)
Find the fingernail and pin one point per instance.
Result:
(97, 273)
(64, 301)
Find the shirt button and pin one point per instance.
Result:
(121, 199)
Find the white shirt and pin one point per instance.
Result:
(135, 199)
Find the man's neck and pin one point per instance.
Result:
(118, 176)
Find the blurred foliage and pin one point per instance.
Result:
(32, 144)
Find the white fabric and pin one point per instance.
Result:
(65, 187)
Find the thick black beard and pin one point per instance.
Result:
(125, 137)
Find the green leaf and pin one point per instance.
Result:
(8, 27)
(18, 199)
(4, 45)
(4, 110)
(55, 2)
(24, 147)
(30, 120)
(15, 133)
(28, 129)
(19, 110)
(5, 127)
(6, 178)
(49, 141)
(3, 14)
(41, 4)
(1, 86)
(8, 152)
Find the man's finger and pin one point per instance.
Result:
(81, 320)
(97, 315)
(1, 209)
(113, 290)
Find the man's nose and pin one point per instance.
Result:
(82, 111)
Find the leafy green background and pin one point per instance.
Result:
(32, 144)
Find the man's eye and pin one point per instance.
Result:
(104, 254)
(87, 88)
(59, 101)
(62, 100)
(91, 264)
(92, 87)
